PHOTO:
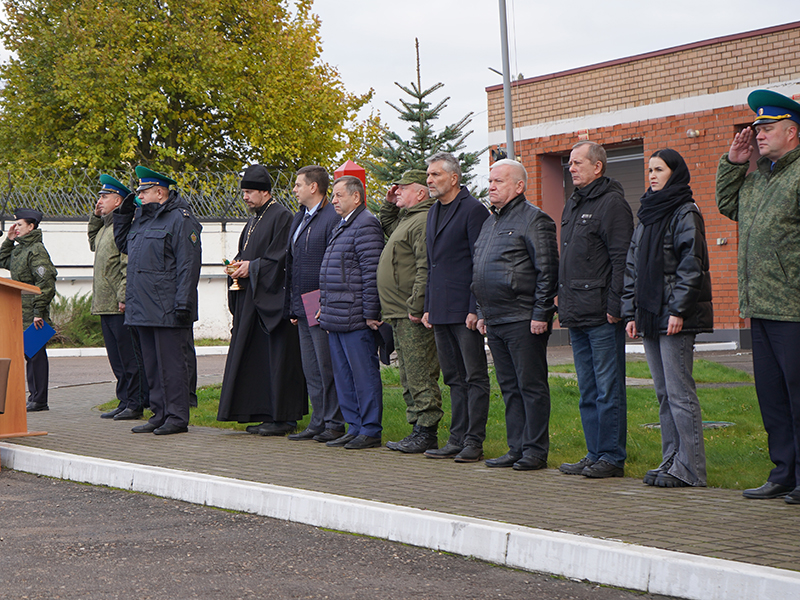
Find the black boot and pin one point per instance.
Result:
(420, 440)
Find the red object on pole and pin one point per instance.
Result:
(351, 168)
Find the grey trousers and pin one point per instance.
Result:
(671, 359)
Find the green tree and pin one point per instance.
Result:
(190, 85)
(395, 155)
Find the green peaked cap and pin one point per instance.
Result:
(148, 178)
(112, 186)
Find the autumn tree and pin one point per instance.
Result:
(396, 155)
(181, 86)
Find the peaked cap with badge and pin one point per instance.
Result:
(149, 178)
(112, 186)
(771, 107)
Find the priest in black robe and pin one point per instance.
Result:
(263, 378)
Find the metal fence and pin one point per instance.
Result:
(70, 195)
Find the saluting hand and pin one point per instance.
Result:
(742, 146)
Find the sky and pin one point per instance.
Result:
(371, 42)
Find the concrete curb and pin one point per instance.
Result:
(608, 562)
(81, 352)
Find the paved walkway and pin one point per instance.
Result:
(709, 522)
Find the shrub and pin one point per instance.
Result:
(75, 325)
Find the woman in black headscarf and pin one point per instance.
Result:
(667, 301)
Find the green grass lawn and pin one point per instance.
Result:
(736, 456)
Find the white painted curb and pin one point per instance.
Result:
(81, 352)
(607, 562)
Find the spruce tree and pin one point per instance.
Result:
(396, 155)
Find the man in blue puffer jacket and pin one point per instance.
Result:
(350, 311)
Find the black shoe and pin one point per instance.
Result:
(145, 428)
(169, 429)
(651, 476)
(255, 428)
(129, 414)
(306, 434)
(767, 491)
(363, 441)
(576, 468)
(340, 442)
(507, 460)
(329, 435)
(666, 480)
(449, 451)
(112, 413)
(470, 454)
(530, 463)
(602, 469)
(276, 428)
(36, 407)
(793, 497)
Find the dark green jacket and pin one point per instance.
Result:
(766, 203)
(29, 262)
(403, 267)
(110, 265)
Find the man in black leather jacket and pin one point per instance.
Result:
(514, 281)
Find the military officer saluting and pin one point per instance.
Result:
(24, 254)
(765, 205)
(162, 240)
(108, 301)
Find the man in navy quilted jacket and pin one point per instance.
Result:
(350, 312)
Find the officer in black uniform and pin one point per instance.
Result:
(162, 240)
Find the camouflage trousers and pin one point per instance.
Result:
(419, 371)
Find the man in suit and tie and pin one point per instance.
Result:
(308, 238)
(454, 223)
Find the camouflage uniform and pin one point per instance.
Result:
(108, 285)
(402, 276)
(766, 205)
(29, 262)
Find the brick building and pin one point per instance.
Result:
(692, 98)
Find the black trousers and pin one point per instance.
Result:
(520, 362)
(125, 357)
(463, 361)
(776, 356)
(37, 370)
(165, 363)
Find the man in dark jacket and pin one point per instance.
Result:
(514, 281)
(162, 241)
(596, 229)
(308, 238)
(454, 223)
(350, 311)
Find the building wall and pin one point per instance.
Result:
(654, 100)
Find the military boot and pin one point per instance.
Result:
(421, 439)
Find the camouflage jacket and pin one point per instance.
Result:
(29, 262)
(110, 265)
(403, 267)
(766, 203)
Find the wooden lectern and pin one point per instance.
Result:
(14, 422)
